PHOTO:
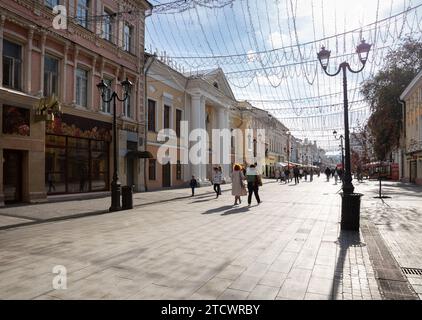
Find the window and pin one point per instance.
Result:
(82, 87)
(51, 76)
(178, 170)
(107, 25)
(127, 105)
(166, 123)
(127, 38)
(151, 115)
(151, 168)
(51, 3)
(82, 13)
(178, 120)
(12, 65)
(106, 106)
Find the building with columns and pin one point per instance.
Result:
(49, 153)
(202, 101)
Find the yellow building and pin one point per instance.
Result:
(412, 96)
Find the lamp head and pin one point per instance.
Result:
(324, 57)
(102, 87)
(127, 85)
(363, 51)
(334, 132)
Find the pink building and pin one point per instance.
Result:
(103, 39)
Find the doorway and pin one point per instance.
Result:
(12, 176)
(166, 175)
(130, 171)
(413, 171)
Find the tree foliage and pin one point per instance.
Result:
(383, 91)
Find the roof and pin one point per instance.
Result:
(411, 86)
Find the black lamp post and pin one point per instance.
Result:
(350, 203)
(115, 184)
(341, 146)
(324, 56)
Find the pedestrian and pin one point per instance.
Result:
(221, 172)
(254, 182)
(311, 175)
(328, 173)
(50, 179)
(238, 188)
(335, 175)
(217, 181)
(305, 172)
(277, 175)
(193, 184)
(287, 175)
(301, 173)
(296, 174)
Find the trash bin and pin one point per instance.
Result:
(127, 197)
(350, 211)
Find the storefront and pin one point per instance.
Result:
(77, 155)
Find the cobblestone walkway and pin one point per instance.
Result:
(288, 247)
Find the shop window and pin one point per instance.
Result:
(16, 121)
(12, 65)
(51, 76)
(152, 163)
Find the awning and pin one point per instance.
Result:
(139, 154)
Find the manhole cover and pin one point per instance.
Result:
(412, 271)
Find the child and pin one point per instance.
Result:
(193, 184)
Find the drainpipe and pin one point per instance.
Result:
(147, 65)
(403, 108)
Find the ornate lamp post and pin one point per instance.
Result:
(349, 219)
(341, 146)
(115, 184)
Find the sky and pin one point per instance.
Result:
(267, 50)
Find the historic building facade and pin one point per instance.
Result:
(412, 112)
(45, 152)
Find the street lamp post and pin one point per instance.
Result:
(350, 204)
(115, 184)
(341, 146)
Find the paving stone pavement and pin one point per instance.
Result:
(288, 247)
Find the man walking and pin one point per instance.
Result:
(254, 181)
(217, 179)
(328, 173)
(193, 184)
(296, 174)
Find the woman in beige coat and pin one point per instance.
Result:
(238, 188)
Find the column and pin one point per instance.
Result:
(198, 122)
(64, 73)
(29, 61)
(223, 123)
(43, 37)
(75, 66)
(93, 87)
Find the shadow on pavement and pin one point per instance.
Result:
(217, 210)
(346, 240)
(236, 211)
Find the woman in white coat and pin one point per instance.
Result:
(238, 187)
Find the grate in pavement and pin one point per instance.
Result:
(412, 271)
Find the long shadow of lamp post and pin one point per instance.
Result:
(115, 184)
(350, 200)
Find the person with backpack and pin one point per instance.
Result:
(193, 184)
(254, 182)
